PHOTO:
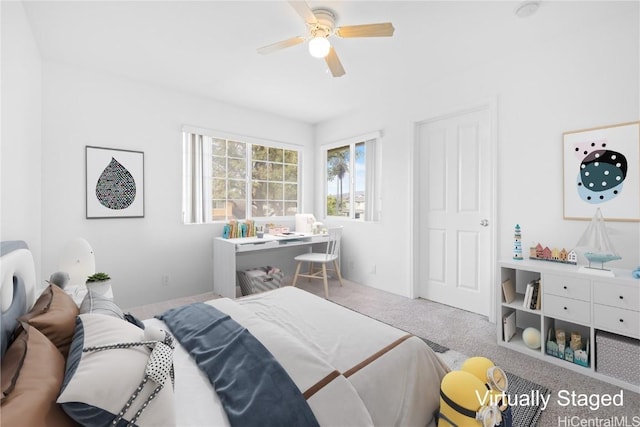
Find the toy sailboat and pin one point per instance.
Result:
(596, 246)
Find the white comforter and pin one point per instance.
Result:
(311, 337)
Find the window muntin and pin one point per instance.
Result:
(238, 174)
(274, 181)
(359, 182)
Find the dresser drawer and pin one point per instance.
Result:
(566, 286)
(566, 308)
(625, 297)
(612, 319)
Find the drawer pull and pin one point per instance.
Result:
(565, 308)
(564, 287)
(621, 297)
(621, 320)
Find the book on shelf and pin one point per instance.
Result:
(534, 304)
(508, 291)
(527, 296)
(534, 295)
(509, 326)
(539, 300)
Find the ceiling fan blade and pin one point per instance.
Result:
(384, 29)
(334, 63)
(281, 45)
(304, 10)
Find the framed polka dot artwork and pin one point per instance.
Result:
(602, 170)
(114, 183)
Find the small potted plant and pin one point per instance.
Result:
(99, 282)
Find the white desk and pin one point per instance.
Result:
(230, 255)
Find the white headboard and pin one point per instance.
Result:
(17, 285)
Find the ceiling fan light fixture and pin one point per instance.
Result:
(319, 47)
(321, 24)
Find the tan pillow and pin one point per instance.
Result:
(32, 371)
(54, 314)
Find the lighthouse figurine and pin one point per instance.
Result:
(517, 243)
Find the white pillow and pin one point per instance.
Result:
(97, 384)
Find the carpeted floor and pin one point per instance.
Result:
(468, 334)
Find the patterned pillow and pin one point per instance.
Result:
(54, 314)
(98, 384)
(32, 371)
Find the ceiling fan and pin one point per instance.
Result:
(321, 24)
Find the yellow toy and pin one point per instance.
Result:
(461, 402)
(484, 369)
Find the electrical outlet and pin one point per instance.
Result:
(165, 280)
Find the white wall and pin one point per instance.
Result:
(583, 80)
(86, 108)
(21, 154)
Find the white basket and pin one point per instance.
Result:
(618, 356)
(259, 279)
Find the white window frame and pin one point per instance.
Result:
(206, 184)
(373, 168)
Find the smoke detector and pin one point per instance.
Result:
(527, 8)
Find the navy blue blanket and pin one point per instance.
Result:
(254, 388)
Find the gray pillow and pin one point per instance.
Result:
(95, 302)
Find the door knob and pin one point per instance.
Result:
(484, 223)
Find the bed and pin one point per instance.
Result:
(283, 357)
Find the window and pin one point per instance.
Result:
(350, 170)
(225, 176)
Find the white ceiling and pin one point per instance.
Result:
(208, 48)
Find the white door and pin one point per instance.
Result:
(455, 205)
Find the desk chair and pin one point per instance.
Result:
(330, 256)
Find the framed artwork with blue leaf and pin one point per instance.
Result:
(115, 183)
(602, 170)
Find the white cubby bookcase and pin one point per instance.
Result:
(575, 302)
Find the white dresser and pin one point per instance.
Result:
(574, 302)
